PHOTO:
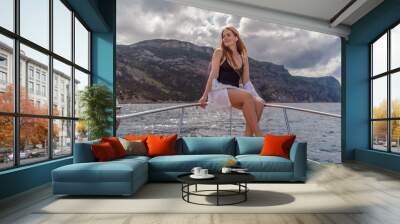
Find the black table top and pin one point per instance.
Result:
(220, 178)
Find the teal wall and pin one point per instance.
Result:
(24, 178)
(356, 84)
(103, 53)
(381, 159)
(99, 16)
(357, 99)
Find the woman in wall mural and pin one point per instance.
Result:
(229, 67)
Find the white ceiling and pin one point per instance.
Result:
(314, 15)
(321, 9)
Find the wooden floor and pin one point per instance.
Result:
(378, 188)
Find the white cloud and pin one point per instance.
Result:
(301, 52)
(331, 68)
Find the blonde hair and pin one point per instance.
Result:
(227, 52)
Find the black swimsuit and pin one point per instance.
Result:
(228, 75)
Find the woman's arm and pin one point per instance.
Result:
(247, 85)
(246, 73)
(216, 58)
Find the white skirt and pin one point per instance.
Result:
(218, 98)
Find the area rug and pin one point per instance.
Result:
(167, 198)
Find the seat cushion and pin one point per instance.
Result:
(257, 163)
(134, 157)
(206, 145)
(185, 163)
(111, 171)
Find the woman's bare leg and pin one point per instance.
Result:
(259, 112)
(244, 100)
(259, 109)
(248, 132)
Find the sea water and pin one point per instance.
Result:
(322, 133)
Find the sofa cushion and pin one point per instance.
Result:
(160, 145)
(185, 163)
(136, 137)
(116, 145)
(257, 163)
(83, 152)
(207, 145)
(103, 151)
(249, 145)
(133, 157)
(111, 171)
(277, 145)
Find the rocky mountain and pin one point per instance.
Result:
(162, 70)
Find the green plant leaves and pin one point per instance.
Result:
(96, 102)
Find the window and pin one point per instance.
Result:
(44, 77)
(3, 78)
(43, 90)
(55, 100)
(6, 73)
(62, 74)
(3, 61)
(62, 137)
(81, 81)
(385, 94)
(395, 47)
(30, 72)
(33, 148)
(40, 62)
(50, 135)
(3, 71)
(7, 14)
(35, 21)
(30, 87)
(62, 29)
(7, 141)
(38, 89)
(81, 45)
(37, 74)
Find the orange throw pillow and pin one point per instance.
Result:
(103, 151)
(277, 145)
(135, 137)
(116, 145)
(161, 145)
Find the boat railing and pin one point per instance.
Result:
(183, 106)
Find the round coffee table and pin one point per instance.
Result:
(238, 179)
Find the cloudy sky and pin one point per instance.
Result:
(302, 52)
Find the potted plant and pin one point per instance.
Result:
(96, 102)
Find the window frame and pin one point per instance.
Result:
(15, 72)
(388, 74)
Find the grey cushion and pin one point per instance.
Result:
(134, 147)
